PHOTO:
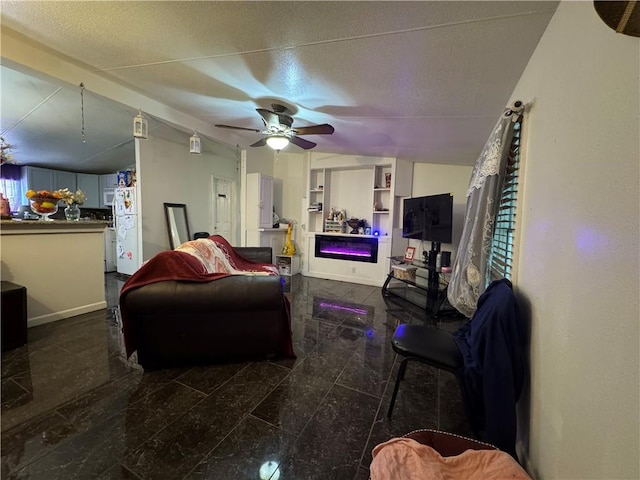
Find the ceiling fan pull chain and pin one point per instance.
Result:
(82, 109)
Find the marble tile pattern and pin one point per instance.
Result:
(74, 408)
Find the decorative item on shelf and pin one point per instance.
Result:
(354, 223)
(194, 143)
(387, 180)
(140, 126)
(409, 254)
(44, 203)
(73, 201)
(333, 226)
(289, 248)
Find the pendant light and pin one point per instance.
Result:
(140, 126)
(194, 143)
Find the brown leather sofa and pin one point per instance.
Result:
(177, 323)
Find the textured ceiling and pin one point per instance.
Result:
(425, 81)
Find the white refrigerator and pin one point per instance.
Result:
(125, 216)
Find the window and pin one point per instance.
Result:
(11, 186)
(501, 257)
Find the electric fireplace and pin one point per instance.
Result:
(356, 248)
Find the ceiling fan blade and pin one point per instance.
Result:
(260, 143)
(269, 117)
(238, 128)
(302, 143)
(324, 129)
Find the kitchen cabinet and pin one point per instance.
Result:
(63, 179)
(108, 183)
(90, 184)
(110, 180)
(259, 201)
(36, 178)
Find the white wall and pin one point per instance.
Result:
(291, 170)
(260, 160)
(578, 263)
(432, 179)
(167, 172)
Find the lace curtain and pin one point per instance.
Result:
(470, 271)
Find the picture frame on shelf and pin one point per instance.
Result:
(409, 254)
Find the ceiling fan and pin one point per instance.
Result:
(278, 130)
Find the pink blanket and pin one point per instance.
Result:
(202, 260)
(406, 459)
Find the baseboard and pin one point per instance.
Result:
(72, 312)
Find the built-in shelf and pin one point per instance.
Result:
(381, 189)
(380, 212)
(316, 190)
(288, 265)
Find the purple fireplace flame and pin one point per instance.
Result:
(334, 306)
(346, 251)
(348, 247)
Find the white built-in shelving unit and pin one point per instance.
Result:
(367, 188)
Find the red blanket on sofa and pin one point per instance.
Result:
(202, 260)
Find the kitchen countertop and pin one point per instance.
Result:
(8, 227)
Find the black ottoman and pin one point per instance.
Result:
(14, 315)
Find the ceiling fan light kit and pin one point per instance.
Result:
(277, 142)
(140, 126)
(277, 127)
(194, 144)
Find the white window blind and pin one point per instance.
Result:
(501, 258)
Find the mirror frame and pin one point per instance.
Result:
(170, 210)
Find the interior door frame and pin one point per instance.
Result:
(234, 205)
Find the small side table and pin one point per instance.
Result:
(13, 310)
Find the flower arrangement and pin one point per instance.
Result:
(71, 198)
(5, 152)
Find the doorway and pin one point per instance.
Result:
(223, 203)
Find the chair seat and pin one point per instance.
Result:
(428, 344)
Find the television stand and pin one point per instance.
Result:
(430, 298)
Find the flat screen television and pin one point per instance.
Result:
(428, 218)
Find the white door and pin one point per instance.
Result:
(222, 205)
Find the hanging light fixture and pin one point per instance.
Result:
(194, 143)
(277, 142)
(140, 126)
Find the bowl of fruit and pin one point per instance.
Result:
(44, 203)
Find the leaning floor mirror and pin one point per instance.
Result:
(177, 224)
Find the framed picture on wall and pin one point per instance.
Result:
(409, 253)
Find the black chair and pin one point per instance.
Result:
(486, 355)
(198, 235)
(429, 345)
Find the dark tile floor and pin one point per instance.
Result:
(74, 408)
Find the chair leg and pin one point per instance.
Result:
(403, 367)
